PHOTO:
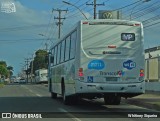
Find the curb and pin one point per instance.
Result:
(139, 103)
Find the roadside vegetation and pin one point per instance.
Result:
(6, 72)
(1, 84)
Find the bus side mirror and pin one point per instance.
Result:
(51, 59)
(46, 59)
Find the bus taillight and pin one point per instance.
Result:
(80, 73)
(141, 73)
(137, 24)
(111, 46)
(85, 22)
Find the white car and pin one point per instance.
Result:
(22, 81)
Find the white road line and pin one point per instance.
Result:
(32, 91)
(38, 95)
(69, 114)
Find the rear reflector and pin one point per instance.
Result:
(111, 46)
(137, 24)
(85, 22)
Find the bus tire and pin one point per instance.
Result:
(50, 85)
(108, 100)
(66, 99)
(53, 95)
(117, 100)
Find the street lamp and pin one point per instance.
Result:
(136, 6)
(42, 35)
(46, 37)
(75, 7)
(46, 42)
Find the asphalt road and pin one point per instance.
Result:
(25, 98)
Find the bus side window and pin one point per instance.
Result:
(67, 49)
(62, 51)
(58, 53)
(73, 45)
(55, 56)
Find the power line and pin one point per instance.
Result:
(74, 15)
(78, 6)
(147, 11)
(4, 40)
(126, 6)
(95, 7)
(151, 19)
(152, 24)
(49, 23)
(24, 27)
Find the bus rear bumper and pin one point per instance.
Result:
(129, 89)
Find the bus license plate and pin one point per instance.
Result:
(111, 79)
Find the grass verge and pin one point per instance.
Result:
(1, 84)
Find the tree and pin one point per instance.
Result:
(3, 71)
(10, 70)
(3, 63)
(40, 60)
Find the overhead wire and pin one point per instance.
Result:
(157, 17)
(19, 28)
(126, 6)
(76, 12)
(147, 11)
(152, 24)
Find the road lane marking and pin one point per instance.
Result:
(31, 91)
(69, 114)
(38, 95)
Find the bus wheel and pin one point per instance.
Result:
(66, 99)
(117, 100)
(53, 95)
(108, 100)
(112, 100)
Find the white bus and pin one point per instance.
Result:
(98, 59)
(41, 76)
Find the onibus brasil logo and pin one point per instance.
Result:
(8, 7)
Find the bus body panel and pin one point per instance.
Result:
(66, 70)
(108, 64)
(115, 69)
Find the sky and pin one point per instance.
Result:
(21, 30)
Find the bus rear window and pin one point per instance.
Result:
(128, 37)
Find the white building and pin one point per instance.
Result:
(152, 64)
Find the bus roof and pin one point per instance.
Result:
(99, 22)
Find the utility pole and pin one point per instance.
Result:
(46, 46)
(95, 7)
(27, 63)
(59, 23)
(32, 68)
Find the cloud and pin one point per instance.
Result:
(18, 26)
